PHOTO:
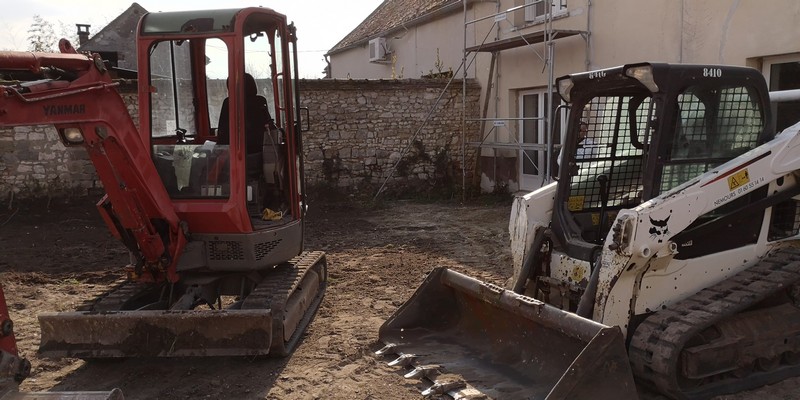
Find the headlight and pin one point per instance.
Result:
(564, 87)
(72, 135)
(643, 74)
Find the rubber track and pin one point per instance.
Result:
(114, 298)
(274, 292)
(657, 343)
(271, 293)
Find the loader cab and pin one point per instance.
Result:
(648, 129)
(218, 107)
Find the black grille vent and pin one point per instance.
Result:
(785, 220)
(225, 250)
(263, 249)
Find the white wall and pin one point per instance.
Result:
(414, 52)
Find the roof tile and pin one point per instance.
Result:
(389, 15)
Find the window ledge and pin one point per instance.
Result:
(541, 20)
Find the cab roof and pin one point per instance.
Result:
(197, 21)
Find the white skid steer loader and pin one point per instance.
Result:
(667, 254)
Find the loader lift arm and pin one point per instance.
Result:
(78, 96)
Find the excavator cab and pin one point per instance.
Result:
(206, 193)
(219, 111)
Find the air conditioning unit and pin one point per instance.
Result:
(377, 49)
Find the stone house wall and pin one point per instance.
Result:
(359, 132)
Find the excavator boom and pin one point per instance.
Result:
(88, 111)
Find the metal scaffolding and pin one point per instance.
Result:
(547, 36)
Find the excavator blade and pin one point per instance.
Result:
(475, 339)
(155, 333)
(114, 394)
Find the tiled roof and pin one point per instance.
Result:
(393, 14)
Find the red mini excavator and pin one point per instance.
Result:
(207, 192)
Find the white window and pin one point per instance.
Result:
(533, 137)
(539, 8)
(783, 73)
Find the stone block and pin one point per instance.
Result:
(44, 156)
(52, 135)
(36, 136)
(315, 155)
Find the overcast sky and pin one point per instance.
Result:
(320, 23)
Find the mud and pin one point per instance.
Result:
(56, 255)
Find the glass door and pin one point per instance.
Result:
(533, 139)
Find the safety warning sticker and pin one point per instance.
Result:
(738, 179)
(575, 203)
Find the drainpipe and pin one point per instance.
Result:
(589, 50)
(464, 112)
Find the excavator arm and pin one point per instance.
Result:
(76, 95)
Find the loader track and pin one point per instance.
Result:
(277, 288)
(656, 346)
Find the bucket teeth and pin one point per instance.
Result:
(440, 388)
(403, 361)
(423, 371)
(389, 348)
(468, 394)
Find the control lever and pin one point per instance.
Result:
(602, 179)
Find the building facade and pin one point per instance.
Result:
(515, 48)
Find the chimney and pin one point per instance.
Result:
(83, 33)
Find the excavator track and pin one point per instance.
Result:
(658, 349)
(270, 321)
(293, 291)
(114, 298)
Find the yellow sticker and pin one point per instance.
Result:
(738, 179)
(577, 274)
(575, 203)
(610, 217)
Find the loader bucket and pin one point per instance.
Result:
(467, 336)
(155, 333)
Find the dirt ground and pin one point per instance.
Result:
(55, 256)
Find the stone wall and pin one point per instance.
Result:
(359, 132)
